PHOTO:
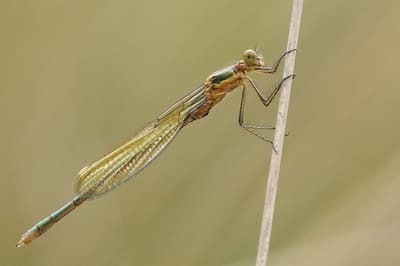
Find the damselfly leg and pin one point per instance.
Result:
(266, 101)
(275, 66)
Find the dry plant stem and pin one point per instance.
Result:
(273, 177)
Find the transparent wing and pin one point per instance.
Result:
(129, 159)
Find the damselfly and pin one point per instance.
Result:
(128, 160)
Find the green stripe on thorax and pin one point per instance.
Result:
(222, 74)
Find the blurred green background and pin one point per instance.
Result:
(78, 78)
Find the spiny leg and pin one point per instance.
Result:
(251, 128)
(274, 67)
(267, 100)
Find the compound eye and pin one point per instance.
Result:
(249, 57)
